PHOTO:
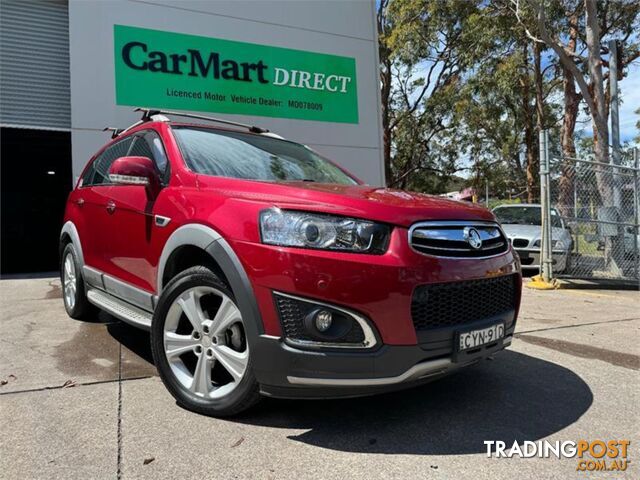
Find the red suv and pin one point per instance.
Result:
(261, 268)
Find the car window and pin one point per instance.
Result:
(525, 215)
(556, 220)
(87, 177)
(254, 157)
(102, 164)
(148, 144)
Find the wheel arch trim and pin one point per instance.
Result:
(70, 229)
(222, 253)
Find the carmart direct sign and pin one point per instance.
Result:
(171, 70)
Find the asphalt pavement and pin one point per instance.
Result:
(82, 400)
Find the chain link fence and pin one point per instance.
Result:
(598, 204)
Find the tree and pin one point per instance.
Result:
(600, 18)
(425, 49)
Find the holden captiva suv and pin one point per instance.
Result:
(261, 268)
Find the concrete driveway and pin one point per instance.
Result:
(82, 400)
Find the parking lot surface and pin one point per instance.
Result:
(82, 400)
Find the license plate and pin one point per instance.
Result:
(478, 338)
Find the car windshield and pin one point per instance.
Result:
(254, 157)
(524, 216)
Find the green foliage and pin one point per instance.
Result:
(461, 75)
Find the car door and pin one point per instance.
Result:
(93, 202)
(133, 226)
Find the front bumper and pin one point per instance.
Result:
(380, 288)
(293, 373)
(530, 259)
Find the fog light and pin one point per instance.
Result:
(323, 320)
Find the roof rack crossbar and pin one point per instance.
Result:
(147, 113)
(114, 131)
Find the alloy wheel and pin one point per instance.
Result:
(205, 343)
(69, 281)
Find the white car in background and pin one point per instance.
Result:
(522, 223)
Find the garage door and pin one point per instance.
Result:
(34, 64)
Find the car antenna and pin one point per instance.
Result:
(114, 131)
(147, 113)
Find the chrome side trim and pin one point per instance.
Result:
(120, 309)
(161, 221)
(421, 370)
(113, 286)
(128, 179)
(128, 292)
(92, 276)
(369, 337)
(455, 223)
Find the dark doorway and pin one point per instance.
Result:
(36, 178)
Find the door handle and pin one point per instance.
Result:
(111, 206)
(80, 202)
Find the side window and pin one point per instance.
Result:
(102, 164)
(88, 175)
(149, 145)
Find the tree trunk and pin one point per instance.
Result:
(599, 116)
(614, 245)
(571, 109)
(385, 94)
(534, 166)
(529, 137)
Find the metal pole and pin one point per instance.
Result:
(545, 208)
(575, 196)
(618, 243)
(486, 192)
(615, 118)
(575, 212)
(636, 207)
(549, 257)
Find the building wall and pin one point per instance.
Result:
(345, 28)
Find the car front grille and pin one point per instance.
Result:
(458, 303)
(453, 239)
(520, 243)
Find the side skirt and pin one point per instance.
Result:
(122, 300)
(119, 308)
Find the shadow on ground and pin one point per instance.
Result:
(515, 397)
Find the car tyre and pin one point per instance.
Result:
(200, 347)
(73, 289)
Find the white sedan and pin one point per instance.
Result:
(522, 223)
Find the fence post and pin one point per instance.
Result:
(636, 207)
(546, 270)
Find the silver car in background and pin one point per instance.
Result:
(522, 223)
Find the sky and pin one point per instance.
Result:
(629, 91)
(630, 96)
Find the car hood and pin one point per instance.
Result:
(530, 232)
(361, 201)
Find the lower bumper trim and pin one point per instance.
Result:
(417, 372)
(430, 367)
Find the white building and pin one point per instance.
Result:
(306, 70)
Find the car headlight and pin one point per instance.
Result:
(555, 244)
(558, 245)
(313, 230)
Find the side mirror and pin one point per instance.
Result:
(135, 171)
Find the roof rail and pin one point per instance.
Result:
(148, 113)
